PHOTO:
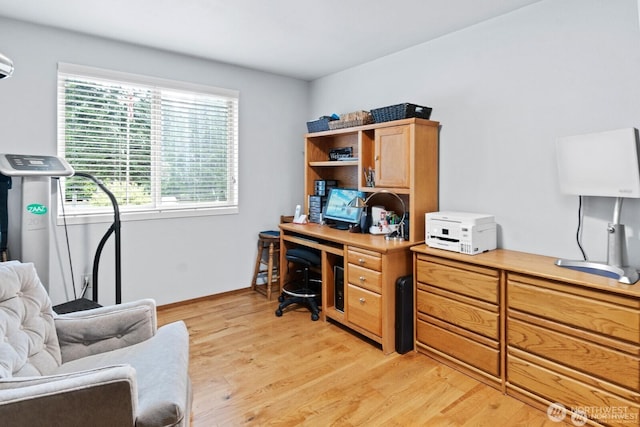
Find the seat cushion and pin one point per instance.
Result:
(28, 340)
(161, 364)
(303, 256)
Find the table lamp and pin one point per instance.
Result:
(398, 233)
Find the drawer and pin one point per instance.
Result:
(550, 301)
(364, 277)
(363, 258)
(466, 279)
(478, 320)
(572, 393)
(364, 309)
(462, 348)
(585, 356)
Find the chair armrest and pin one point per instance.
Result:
(71, 399)
(102, 329)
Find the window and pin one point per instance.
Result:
(160, 146)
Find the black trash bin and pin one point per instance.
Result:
(404, 314)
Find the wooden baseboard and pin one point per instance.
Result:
(201, 299)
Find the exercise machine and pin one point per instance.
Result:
(36, 173)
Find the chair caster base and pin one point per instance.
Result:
(310, 303)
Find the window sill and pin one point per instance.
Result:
(107, 217)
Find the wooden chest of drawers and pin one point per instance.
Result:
(458, 316)
(543, 334)
(573, 345)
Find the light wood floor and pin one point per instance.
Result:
(249, 367)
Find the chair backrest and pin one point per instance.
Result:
(28, 340)
(286, 219)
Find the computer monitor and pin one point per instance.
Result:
(338, 211)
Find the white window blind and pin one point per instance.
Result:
(158, 145)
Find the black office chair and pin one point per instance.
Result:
(306, 291)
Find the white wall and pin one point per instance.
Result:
(503, 91)
(175, 259)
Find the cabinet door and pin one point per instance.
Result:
(392, 157)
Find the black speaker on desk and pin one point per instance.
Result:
(365, 221)
(404, 314)
(338, 278)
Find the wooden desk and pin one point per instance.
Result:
(371, 265)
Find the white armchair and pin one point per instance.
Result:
(110, 366)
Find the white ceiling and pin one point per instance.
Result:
(299, 38)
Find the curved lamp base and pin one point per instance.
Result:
(626, 275)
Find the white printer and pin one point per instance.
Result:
(467, 233)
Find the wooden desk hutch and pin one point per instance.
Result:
(404, 156)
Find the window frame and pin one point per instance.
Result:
(156, 212)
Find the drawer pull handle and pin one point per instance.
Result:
(362, 300)
(362, 278)
(361, 261)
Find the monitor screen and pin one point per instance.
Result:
(600, 164)
(338, 209)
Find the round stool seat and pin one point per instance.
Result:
(269, 235)
(303, 256)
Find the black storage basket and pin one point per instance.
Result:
(319, 125)
(400, 111)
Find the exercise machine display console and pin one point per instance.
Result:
(32, 165)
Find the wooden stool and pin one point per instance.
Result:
(267, 241)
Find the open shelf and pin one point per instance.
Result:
(333, 163)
